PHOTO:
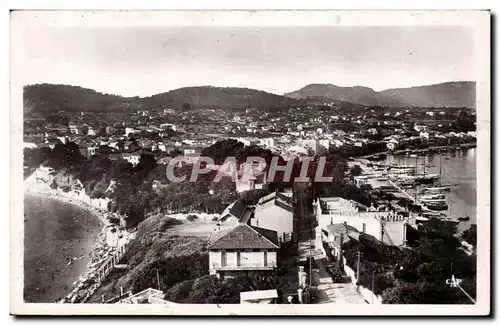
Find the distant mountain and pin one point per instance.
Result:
(448, 94)
(49, 98)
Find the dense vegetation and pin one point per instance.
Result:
(211, 290)
(48, 98)
(417, 275)
(470, 235)
(156, 249)
(145, 189)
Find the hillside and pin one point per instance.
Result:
(218, 97)
(449, 94)
(48, 98)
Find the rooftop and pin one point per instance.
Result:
(279, 199)
(259, 294)
(244, 236)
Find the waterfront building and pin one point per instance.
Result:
(386, 226)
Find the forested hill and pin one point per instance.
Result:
(48, 98)
(218, 97)
(448, 94)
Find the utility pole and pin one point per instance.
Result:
(357, 266)
(373, 284)
(157, 279)
(310, 257)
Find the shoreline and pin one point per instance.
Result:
(106, 243)
(99, 214)
(424, 150)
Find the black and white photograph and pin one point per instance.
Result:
(298, 161)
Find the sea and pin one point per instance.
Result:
(458, 168)
(58, 239)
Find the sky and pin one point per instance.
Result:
(141, 61)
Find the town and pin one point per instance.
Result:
(362, 237)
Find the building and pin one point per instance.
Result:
(191, 158)
(235, 213)
(275, 211)
(337, 234)
(132, 158)
(259, 296)
(34, 136)
(267, 142)
(91, 131)
(360, 180)
(91, 150)
(148, 296)
(168, 126)
(73, 129)
(386, 226)
(129, 131)
(243, 248)
(250, 178)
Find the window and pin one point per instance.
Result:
(265, 258)
(223, 259)
(238, 259)
(364, 227)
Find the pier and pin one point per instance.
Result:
(369, 170)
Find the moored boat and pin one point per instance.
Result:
(439, 196)
(437, 205)
(438, 189)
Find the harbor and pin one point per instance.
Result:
(441, 185)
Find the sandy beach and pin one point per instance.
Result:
(97, 243)
(58, 240)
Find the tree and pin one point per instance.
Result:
(356, 170)
(465, 122)
(222, 149)
(470, 235)
(65, 156)
(147, 163)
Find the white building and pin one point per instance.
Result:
(386, 226)
(243, 248)
(132, 158)
(275, 211)
(129, 131)
(258, 296)
(267, 142)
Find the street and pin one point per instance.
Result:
(329, 292)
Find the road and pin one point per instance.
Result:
(329, 292)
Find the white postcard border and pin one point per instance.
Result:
(479, 21)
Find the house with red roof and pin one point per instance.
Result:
(243, 248)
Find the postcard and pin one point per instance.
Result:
(250, 162)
